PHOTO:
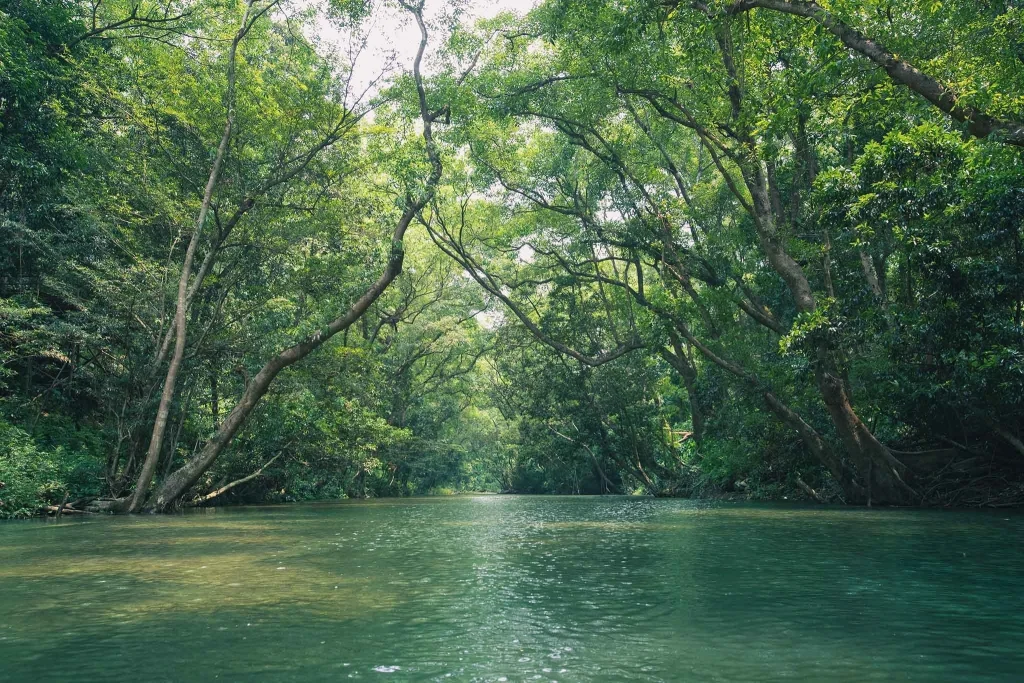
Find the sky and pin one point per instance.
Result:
(393, 36)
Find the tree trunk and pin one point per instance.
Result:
(820, 448)
(180, 481)
(163, 411)
(880, 471)
(214, 399)
(817, 445)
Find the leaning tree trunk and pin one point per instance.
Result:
(182, 479)
(880, 471)
(852, 489)
(178, 483)
(814, 442)
(170, 380)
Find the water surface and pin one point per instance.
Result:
(496, 588)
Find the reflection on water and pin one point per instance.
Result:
(496, 588)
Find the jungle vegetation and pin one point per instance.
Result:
(760, 247)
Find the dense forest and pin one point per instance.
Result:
(769, 248)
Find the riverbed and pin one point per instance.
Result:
(516, 588)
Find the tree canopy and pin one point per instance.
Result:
(752, 247)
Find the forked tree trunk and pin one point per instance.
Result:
(182, 480)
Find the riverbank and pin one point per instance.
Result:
(797, 496)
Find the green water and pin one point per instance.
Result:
(496, 588)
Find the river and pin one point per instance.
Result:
(516, 588)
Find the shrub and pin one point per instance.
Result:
(34, 477)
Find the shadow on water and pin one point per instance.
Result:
(516, 588)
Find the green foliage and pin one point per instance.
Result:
(35, 474)
(810, 330)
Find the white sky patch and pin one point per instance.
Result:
(610, 214)
(526, 254)
(490, 319)
(392, 36)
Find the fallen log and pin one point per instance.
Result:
(806, 488)
(107, 505)
(58, 510)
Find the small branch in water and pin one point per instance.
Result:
(236, 482)
(63, 503)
